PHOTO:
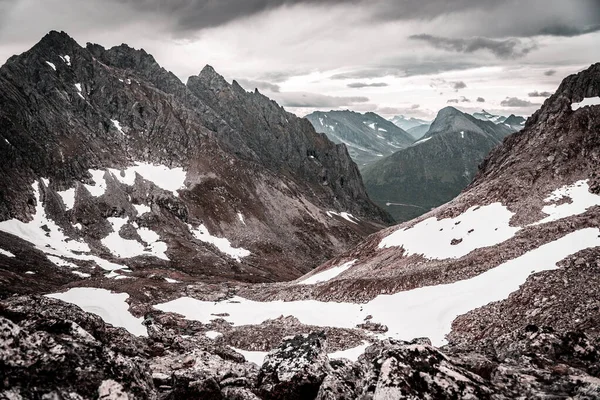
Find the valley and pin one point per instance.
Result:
(170, 240)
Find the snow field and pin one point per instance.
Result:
(423, 312)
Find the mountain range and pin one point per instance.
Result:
(416, 127)
(434, 169)
(368, 136)
(112, 156)
(154, 238)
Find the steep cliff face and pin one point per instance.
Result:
(106, 149)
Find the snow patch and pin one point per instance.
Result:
(257, 357)
(170, 179)
(45, 235)
(350, 354)
(66, 59)
(99, 187)
(61, 263)
(343, 214)
(223, 244)
(78, 87)
(241, 218)
(6, 253)
(213, 334)
(51, 65)
(475, 228)
(589, 101)
(581, 200)
(423, 312)
(462, 134)
(169, 280)
(117, 125)
(422, 141)
(111, 307)
(327, 275)
(127, 248)
(142, 209)
(68, 198)
(81, 274)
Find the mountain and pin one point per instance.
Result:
(115, 171)
(515, 122)
(418, 131)
(407, 123)
(368, 136)
(486, 116)
(436, 168)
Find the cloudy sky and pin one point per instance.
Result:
(408, 57)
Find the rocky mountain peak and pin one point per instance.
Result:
(451, 119)
(210, 78)
(57, 41)
(573, 89)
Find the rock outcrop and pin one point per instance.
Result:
(54, 350)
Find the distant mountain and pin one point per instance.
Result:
(486, 116)
(407, 123)
(368, 137)
(434, 169)
(515, 122)
(419, 131)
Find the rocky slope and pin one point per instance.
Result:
(42, 336)
(504, 275)
(436, 168)
(368, 137)
(110, 163)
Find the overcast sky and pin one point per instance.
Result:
(408, 57)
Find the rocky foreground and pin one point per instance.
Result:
(53, 350)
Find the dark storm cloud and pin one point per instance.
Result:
(505, 49)
(539, 94)
(516, 102)
(260, 85)
(190, 15)
(569, 31)
(519, 19)
(304, 99)
(480, 100)
(358, 85)
(406, 69)
(550, 72)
